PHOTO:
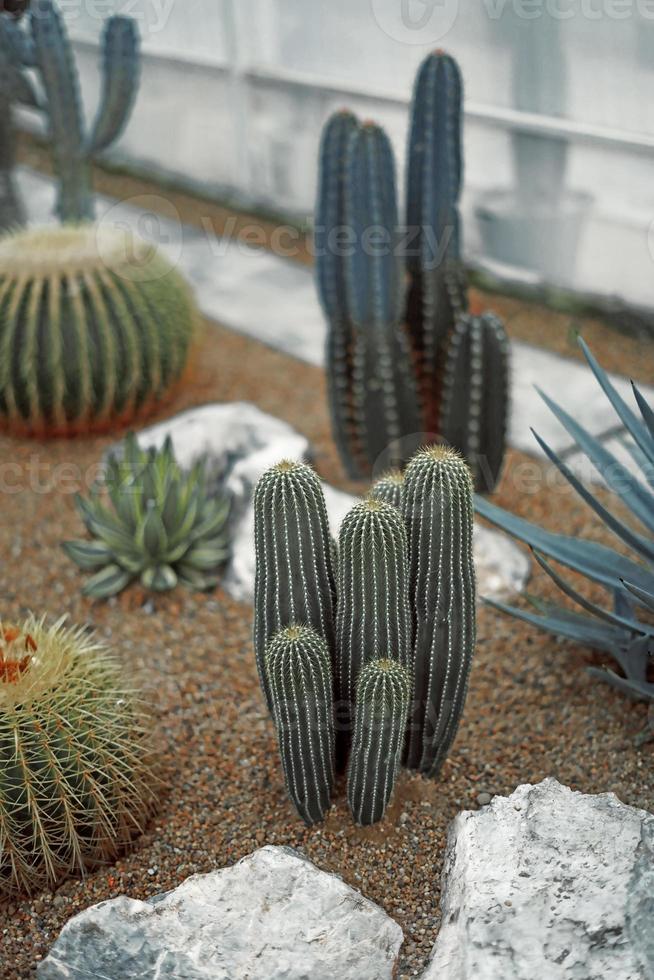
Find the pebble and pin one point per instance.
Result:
(483, 799)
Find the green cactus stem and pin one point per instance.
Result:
(299, 676)
(294, 579)
(382, 704)
(475, 396)
(389, 488)
(373, 613)
(438, 509)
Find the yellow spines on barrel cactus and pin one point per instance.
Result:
(96, 328)
(77, 772)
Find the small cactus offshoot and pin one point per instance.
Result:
(389, 488)
(438, 509)
(77, 773)
(155, 524)
(294, 581)
(299, 676)
(382, 705)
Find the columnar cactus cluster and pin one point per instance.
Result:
(95, 329)
(375, 672)
(393, 342)
(43, 47)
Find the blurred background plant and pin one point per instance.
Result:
(37, 70)
(154, 524)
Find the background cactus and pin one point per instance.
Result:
(16, 87)
(299, 677)
(438, 509)
(373, 391)
(47, 50)
(437, 291)
(475, 395)
(387, 344)
(373, 613)
(294, 581)
(77, 780)
(382, 704)
(95, 329)
(161, 527)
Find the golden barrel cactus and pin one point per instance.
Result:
(96, 328)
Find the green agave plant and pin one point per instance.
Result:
(620, 631)
(158, 525)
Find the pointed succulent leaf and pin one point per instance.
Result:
(636, 690)
(206, 556)
(159, 578)
(88, 555)
(110, 581)
(594, 560)
(643, 595)
(645, 410)
(194, 579)
(152, 534)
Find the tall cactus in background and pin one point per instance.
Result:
(46, 49)
(299, 677)
(73, 148)
(15, 87)
(382, 704)
(387, 344)
(373, 617)
(373, 391)
(294, 580)
(475, 392)
(437, 292)
(438, 509)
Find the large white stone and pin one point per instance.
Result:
(272, 916)
(241, 442)
(549, 884)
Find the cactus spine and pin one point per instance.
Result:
(299, 677)
(94, 330)
(294, 581)
(374, 617)
(373, 392)
(475, 394)
(438, 510)
(73, 149)
(387, 346)
(382, 704)
(77, 779)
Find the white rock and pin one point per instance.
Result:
(550, 884)
(273, 916)
(241, 442)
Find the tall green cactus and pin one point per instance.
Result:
(382, 704)
(436, 293)
(294, 580)
(15, 87)
(475, 395)
(47, 49)
(438, 509)
(298, 673)
(391, 323)
(373, 391)
(373, 614)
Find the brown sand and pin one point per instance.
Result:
(532, 710)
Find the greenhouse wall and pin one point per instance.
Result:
(559, 137)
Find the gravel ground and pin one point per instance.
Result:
(532, 711)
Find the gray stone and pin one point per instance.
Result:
(547, 883)
(241, 442)
(272, 916)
